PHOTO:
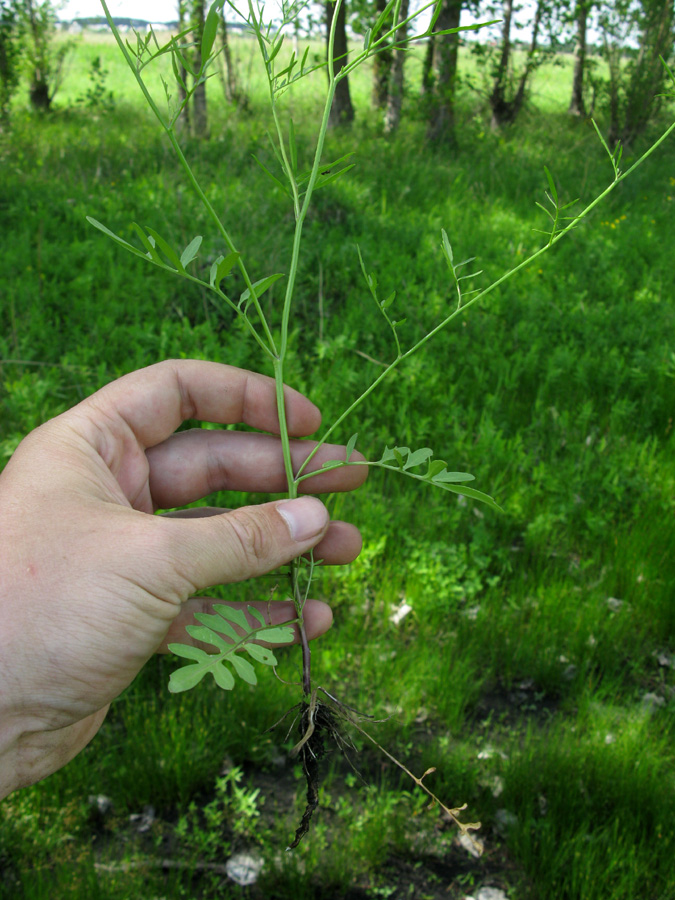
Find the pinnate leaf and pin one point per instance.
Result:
(403, 459)
(223, 621)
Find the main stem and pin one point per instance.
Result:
(301, 212)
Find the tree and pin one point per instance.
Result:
(508, 92)
(342, 111)
(45, 57)
(581, 11)
(232, 92)
(10, 54)
(382, 63)
(439, 79)
(392, 116)
(634, 87)
(200, 123)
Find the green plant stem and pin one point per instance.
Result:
(445, 322)
(300, 214)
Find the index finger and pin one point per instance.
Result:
(154, 401)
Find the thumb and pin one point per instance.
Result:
(244, 543)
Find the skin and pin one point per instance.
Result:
(92, 583)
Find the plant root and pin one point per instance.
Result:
(319, 720)
(315, 721)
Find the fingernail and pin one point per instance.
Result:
(306, 517)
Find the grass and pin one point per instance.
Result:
(534, 637)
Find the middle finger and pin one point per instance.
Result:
(191, 464)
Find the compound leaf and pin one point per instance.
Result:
(402, 459)
(228, 651)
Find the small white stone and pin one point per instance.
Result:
(102, 804)
(490, 893)
(143, 821)
(504, 820)
(400, 613)
(488, 752)
(243, 868)
(471, 613)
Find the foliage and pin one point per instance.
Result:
(10, 53)
(97, 98)
(645, 32)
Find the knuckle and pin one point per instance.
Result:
(253, 537)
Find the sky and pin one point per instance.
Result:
(150, 10)
(167, 10)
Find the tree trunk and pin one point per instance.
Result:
(441, 126)
(428, 69)
(230, 83)
(342, 111)
(498, 102)
(576, 107)
(613, 57)
(199, 115)
(530, 65)
(382, 62)
(39, 96)
(505, 110)
(39, 93)
(392, 116)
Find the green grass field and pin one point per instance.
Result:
(536, 670)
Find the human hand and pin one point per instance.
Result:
(92, 583)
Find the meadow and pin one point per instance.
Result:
(536, 668)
